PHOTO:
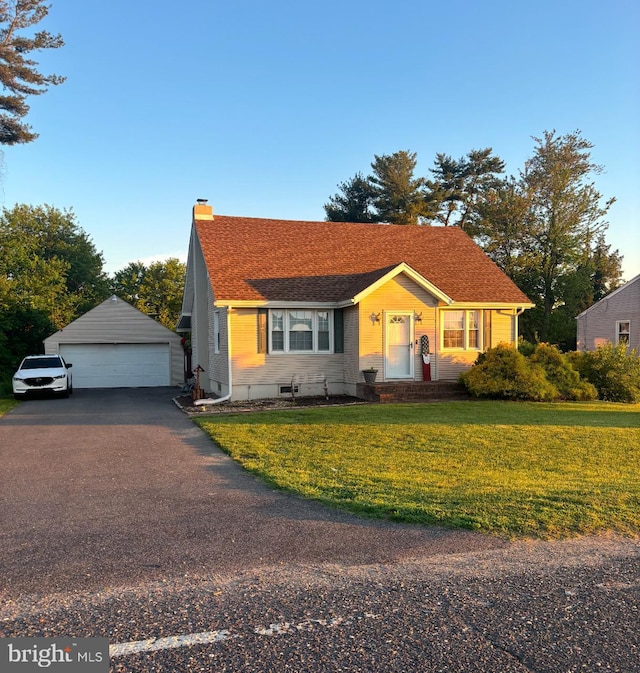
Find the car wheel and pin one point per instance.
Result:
(19, 396)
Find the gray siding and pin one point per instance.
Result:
(597, 325)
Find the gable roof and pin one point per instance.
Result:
(255, 259)
(622, 288)
(112, 319)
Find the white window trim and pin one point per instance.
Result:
(216, 332)
(466, 347)
(315, 319)
(621, 322)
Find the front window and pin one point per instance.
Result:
(623, 329)
(461, 330)
(453, 332)
(277, 330)
(300, 331)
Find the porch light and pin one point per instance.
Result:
(417, 317)
(374, 317)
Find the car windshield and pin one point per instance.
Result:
(41, 363)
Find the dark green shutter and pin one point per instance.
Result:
(338, 330)
(262, 330)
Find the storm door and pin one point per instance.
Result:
(399, 346)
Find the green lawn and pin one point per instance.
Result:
(509, 469)
(6, 404)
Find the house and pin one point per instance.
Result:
(276, 306)
(116, 346)
(614, 319)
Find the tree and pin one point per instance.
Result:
(126, 282)
(50, 273)
(398, 197)
(156, 289)
(545, 229)
(18, 73)
(565, 213)
(459, 187)
(500, 229)
(354, 203)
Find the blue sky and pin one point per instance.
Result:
(263, 108)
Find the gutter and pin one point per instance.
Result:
(227, 397)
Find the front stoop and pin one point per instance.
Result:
(411, 391)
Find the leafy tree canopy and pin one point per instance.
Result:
(50, 273)
(546, 230)
(155, 289)
(19, 75)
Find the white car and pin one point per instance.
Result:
(42, 373)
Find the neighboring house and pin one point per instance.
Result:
(275, 304)
(116, 346)
(614, 319)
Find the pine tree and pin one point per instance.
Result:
(19, 75)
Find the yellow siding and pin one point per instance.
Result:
(452, 363)
(502, 327)
(400, 294)
(256, 375)
(260, 375)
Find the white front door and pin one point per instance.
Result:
(399, 346)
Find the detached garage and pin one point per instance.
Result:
(116, 346)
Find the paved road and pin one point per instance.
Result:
(119, 518)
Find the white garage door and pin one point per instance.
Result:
(118, 365)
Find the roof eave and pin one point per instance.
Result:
(411, 273)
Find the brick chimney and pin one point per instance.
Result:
(202, 211)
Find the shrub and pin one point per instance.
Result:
(504, 373)
(561, 373)
(613, 370)
(525, 347)
(5, 386)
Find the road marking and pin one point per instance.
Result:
(212, 637)
(154, 644)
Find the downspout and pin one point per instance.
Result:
(518, 312)
(227, 397)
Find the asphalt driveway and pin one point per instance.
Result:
(120, 519)
(117, 486)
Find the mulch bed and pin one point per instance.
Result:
(185, 403)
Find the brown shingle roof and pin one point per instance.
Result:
(285, 260)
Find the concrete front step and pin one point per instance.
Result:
(411, 391)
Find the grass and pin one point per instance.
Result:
(508, 469)
(6, 404)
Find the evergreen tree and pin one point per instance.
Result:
(354, 202)
(398, 196)
(18, 73)
(460, 186)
